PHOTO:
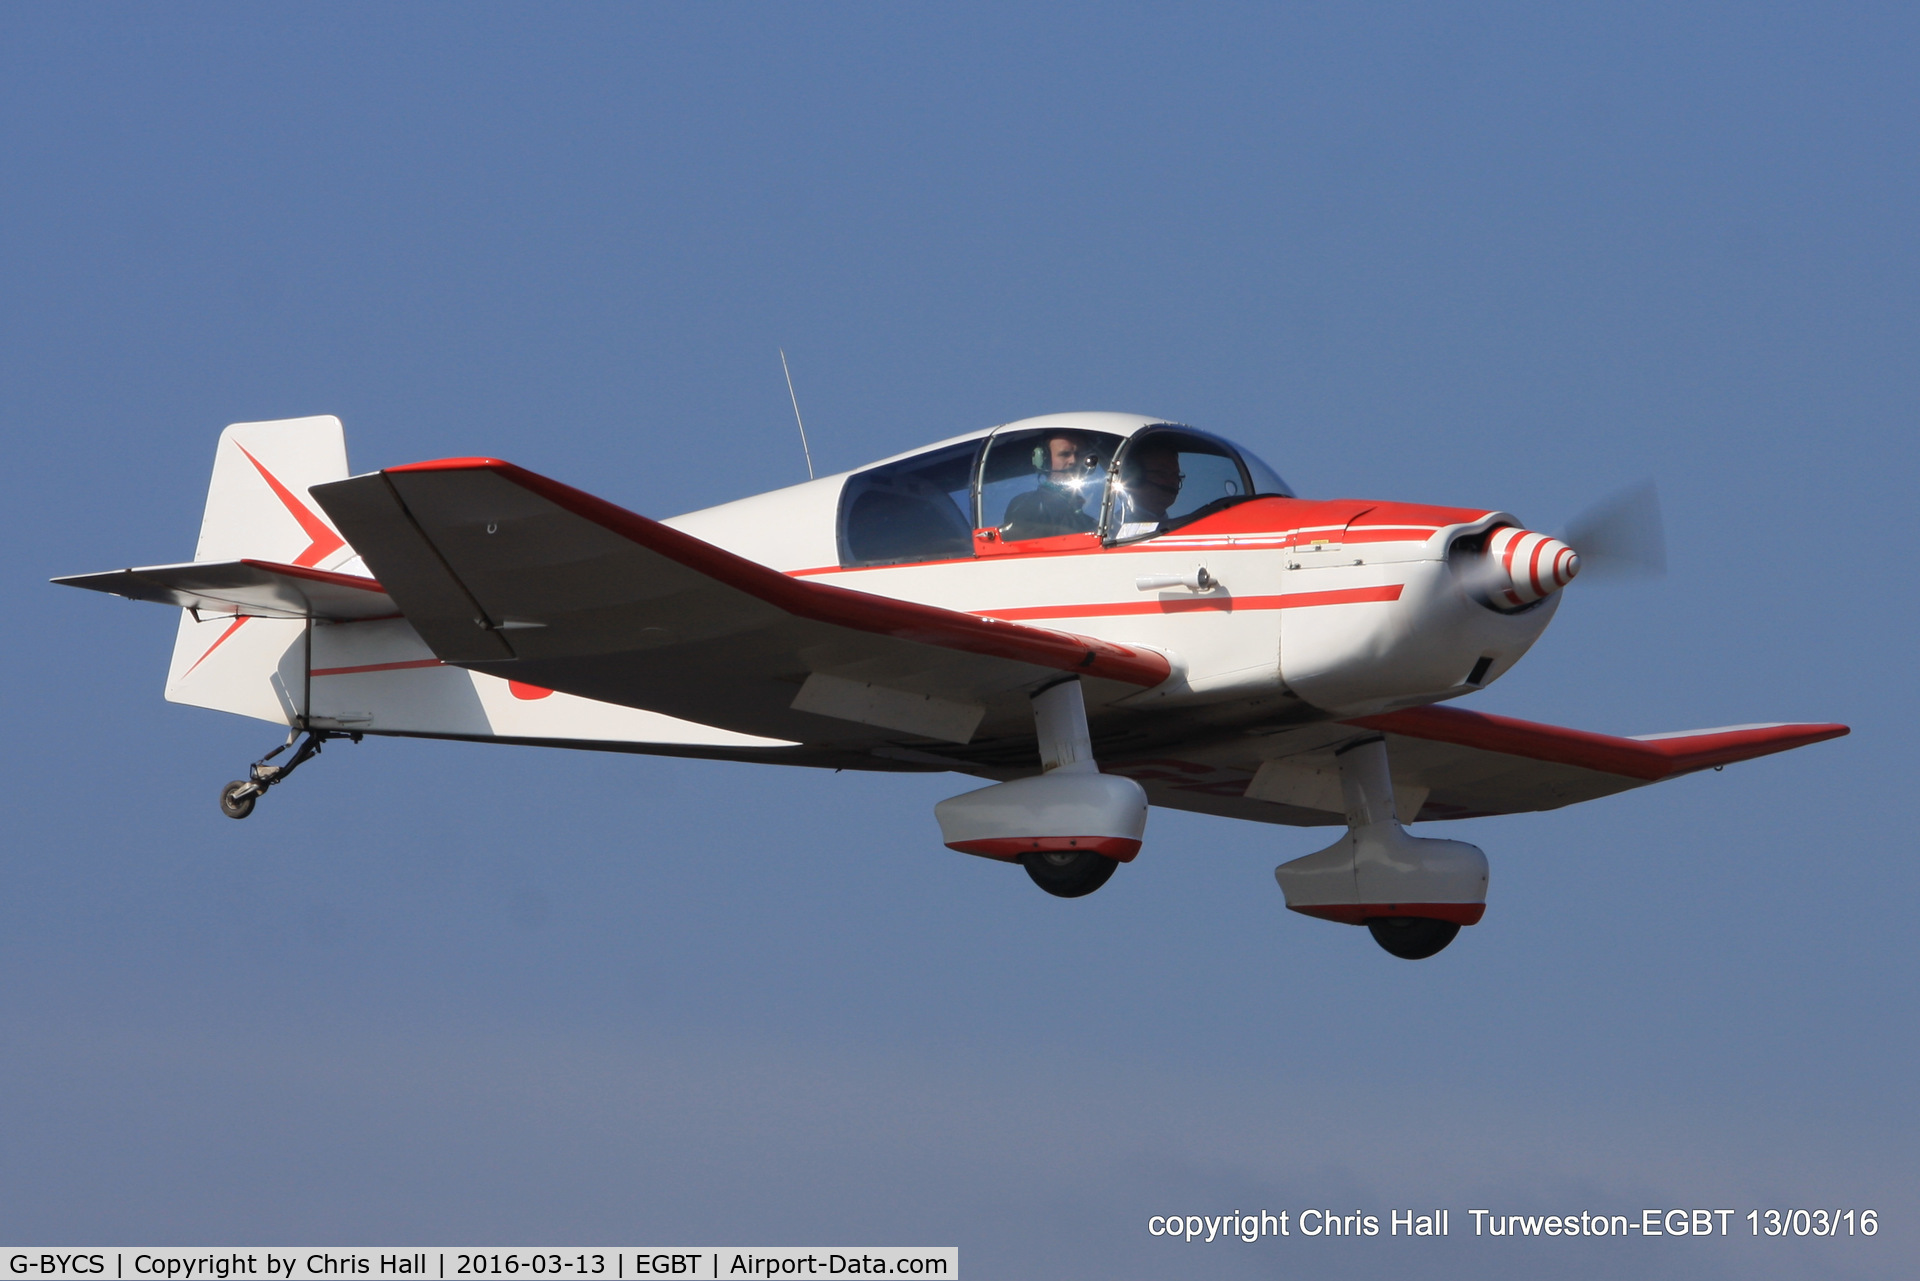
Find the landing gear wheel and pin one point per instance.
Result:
(1068, 873)
(237, 798)
(1412, 938)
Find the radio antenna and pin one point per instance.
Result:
(796, 412)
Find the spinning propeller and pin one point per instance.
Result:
(1620, 536)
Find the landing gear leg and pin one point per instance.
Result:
(1412, 893)
(238, 798)
(1069, 826)
(1060, 721)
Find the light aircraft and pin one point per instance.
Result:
(1097, 612)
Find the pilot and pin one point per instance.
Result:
(1151, 479)
(1065, 467)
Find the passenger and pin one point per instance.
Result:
(1057, 504)
(1151, 479)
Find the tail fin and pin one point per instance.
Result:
(258, 508)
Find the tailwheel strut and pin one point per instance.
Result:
(238, 798)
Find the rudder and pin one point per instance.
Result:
(258, 508)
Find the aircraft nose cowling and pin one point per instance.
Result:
(1525, 567)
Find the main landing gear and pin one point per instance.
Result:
(1071, 825)
(238, 798)
(1412, 893)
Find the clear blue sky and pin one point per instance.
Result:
(1513, 256)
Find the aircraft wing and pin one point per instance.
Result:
(251, 588)
(504, 571)
(1450, 763)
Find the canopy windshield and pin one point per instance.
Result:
(1043, 482)
(1166, 477)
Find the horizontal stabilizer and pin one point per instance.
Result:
(247, 588)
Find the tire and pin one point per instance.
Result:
(234, 805)
(1071, 874)
(1412, 938)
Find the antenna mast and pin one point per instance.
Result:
(796, 412)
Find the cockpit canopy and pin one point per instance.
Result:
(1024, 482)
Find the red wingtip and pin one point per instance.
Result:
(1650, 759)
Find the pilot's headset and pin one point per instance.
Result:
(1086, 461)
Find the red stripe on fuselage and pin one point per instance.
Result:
(1179, 541)
(1384, 534)
(376, 667)
(1225, 605)
(1264, 523)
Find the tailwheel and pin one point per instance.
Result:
(1412, 938)
(237, 798)
(1068, 873)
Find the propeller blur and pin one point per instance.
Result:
(1622, 535)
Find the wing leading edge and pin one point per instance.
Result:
(1450, 763)
(1475, 763)
(505, 571)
